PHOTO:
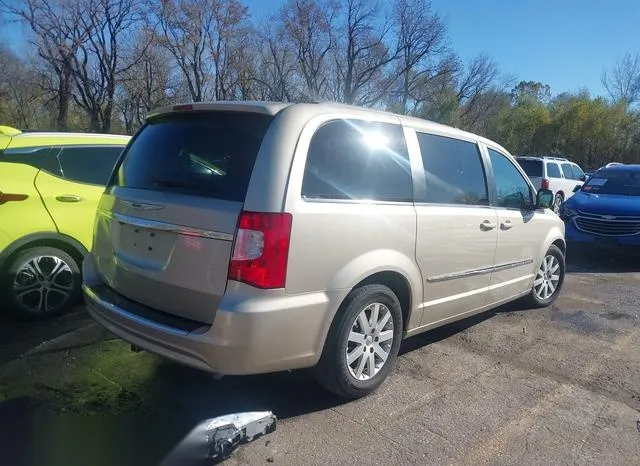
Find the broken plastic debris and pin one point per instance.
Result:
(215, 439)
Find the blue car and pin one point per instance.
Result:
(604, 213)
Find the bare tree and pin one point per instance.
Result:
(623, 82)
(275, 77)
(479, 76)
(362, 55)
(19, 99)
(229, 39)
(146, 85)
(58, 34)
(183, 30)
(307, 28)
(102, 60)
(424, 51)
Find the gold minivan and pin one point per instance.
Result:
(252, 237)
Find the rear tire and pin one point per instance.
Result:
(546, 288)
(41, 282)
(357, 355)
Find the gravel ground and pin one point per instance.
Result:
(554, 386)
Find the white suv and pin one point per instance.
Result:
(554, 173)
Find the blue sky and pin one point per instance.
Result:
(563, 43)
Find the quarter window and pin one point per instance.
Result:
(512, 190)
(91, 165)
(577, 172)
(358, 160)
(567, 169)
(453, 169)
(553, 170)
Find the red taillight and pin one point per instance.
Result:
(544, 184)
(261, 249)
(7, 197)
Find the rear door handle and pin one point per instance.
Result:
(487, 225)
(506, 225)
(68, 198)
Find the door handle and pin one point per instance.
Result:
(506, 225)
(487, 225)
(68, 198)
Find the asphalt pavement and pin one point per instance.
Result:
(557, 386)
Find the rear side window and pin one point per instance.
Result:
(533, 168)
(454, 171)
(567, 170)
(358, 160)
(209, 154)
(553, 170)
(92, 165)
(577, 172)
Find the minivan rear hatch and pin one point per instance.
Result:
(533, 168)
(164, 230)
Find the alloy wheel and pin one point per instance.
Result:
(43, 284)
(369, 342)
(547, 278)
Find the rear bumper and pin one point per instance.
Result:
(254, 331)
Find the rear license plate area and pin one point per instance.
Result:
(145, 243)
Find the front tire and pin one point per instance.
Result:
(41, 282)
(557, 203)
(548, 280)
(363, 342)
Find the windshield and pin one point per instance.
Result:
(624, 183)
(203, 154)
(533, 168)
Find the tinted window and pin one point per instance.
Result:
(533, 168)
(567, 169)
(205, 154)
(91, 165)
(453, 170)
(619, 182)
(512, 190)
(577, 172)
(351, 159)
(553, 170)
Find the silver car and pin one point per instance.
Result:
(250, 237)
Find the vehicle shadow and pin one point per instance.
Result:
(602, 262)
(171, 403)
(17, 336)
(175, 399)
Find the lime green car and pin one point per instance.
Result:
(50, 185)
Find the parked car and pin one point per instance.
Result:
(605, 211)
(326, 235)
(50, 184)
(554, 173)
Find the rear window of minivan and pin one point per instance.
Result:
(533, 168)
(208, 154)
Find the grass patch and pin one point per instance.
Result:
(105, 377)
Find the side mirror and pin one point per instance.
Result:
(544, 199)
(577, 188)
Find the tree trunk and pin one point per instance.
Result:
(64, 99)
